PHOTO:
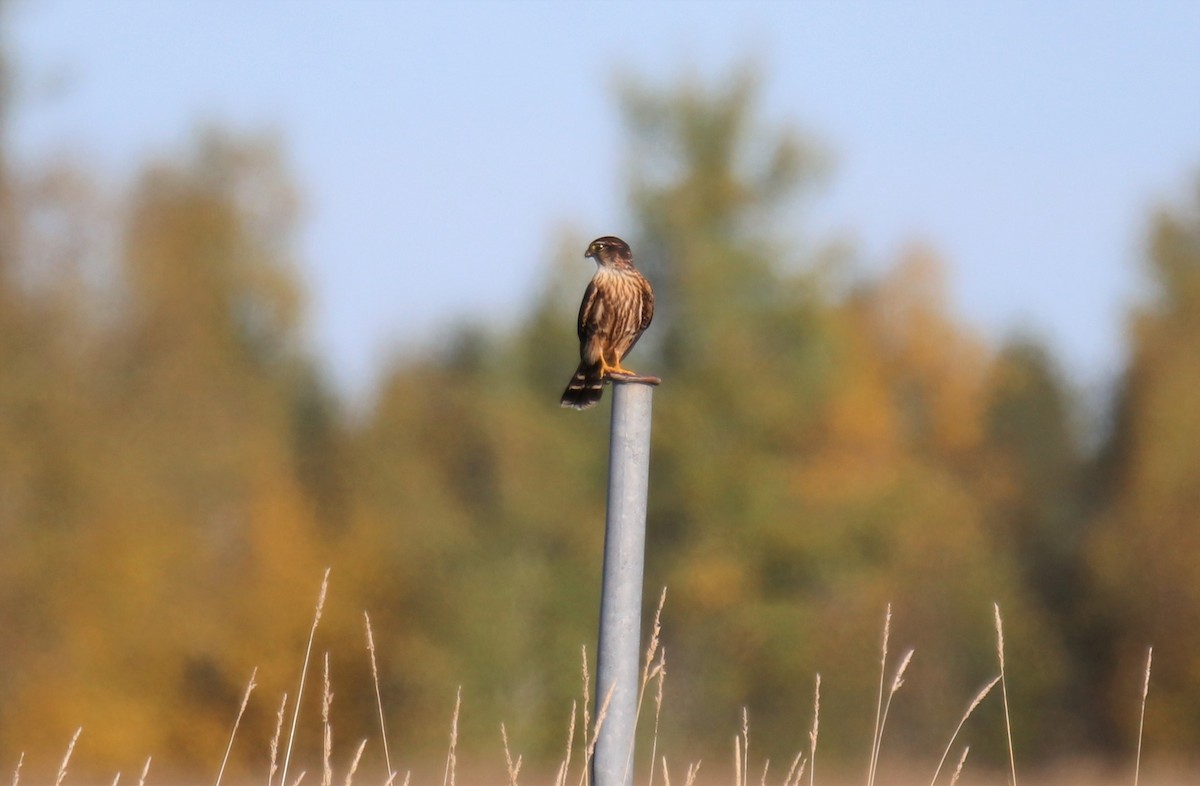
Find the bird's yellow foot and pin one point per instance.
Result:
(607, 370)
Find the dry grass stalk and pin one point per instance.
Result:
(797, 766)
(655, 636)
(799, 774)
(62, 768)
(236, 722)
(1012, 759)
(812, 735)
(275, 739)
(513, 769)
(17, 772)
(312, 633)
(587, 686)
(387, 757)
(116, 779)
(652, 649)
(565, 767)
(693, 769)
(1137, 762)
(354, 763)
(145, 770)
(590, 750)
(887, 628)
(451, 760)
(766, 766)
(661, 671)
(741, 751)
(897, 681)
(299, 778)
(979, 697)
(666, 775)
(327, 734)
(650, 670)
(961, 761)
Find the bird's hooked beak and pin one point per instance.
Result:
(592, 252)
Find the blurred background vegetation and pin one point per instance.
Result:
(175, 473)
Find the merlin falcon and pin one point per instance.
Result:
(617, 308)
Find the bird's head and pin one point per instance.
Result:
(608, 251)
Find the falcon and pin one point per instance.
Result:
(617, 307)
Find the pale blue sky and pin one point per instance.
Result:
(441, 146)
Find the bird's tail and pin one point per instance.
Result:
(585, 388)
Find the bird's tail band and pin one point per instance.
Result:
(585, 388)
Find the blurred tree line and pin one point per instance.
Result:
(175, 473)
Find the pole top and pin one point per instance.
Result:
(633, 379)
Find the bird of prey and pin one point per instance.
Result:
(617, 307)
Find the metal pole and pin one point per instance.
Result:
(619, 649)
